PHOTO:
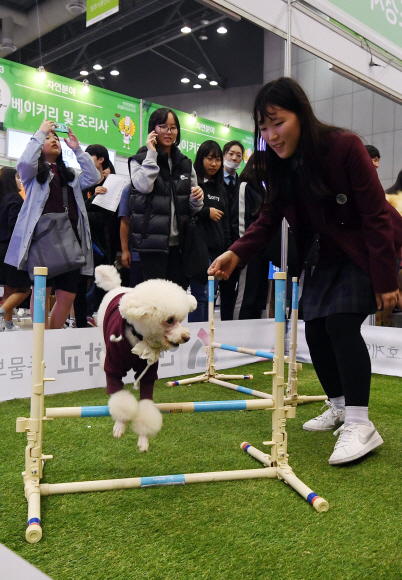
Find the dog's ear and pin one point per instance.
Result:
(192, 303)
(133, 308)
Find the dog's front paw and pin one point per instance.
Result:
(119, 428)
(143, 443)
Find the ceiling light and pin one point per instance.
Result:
(41, 72)
(185, 80)
(197, 86)
(186, 29)
(202, 75)
(84, 72)
(203, 35)
(101, 77)
(114, 72)
(204, 21)
(85, 86)
(97, 66)
(222, 29)
(213, 83)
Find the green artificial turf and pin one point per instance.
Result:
(254, 529)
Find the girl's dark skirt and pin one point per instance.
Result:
(9, 275)
(338, 288)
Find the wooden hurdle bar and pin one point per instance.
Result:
(211, 376)
(275, 464)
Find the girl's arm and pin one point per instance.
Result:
(89, 175)
(143, 176)
(196, 200)
(27, 165)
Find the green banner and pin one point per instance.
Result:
(100, 9)
(96, 116)
(196, 130)
(382, 16)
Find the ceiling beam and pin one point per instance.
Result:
(147, 45)
(142, 9)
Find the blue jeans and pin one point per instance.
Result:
(200, 293)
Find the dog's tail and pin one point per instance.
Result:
(107, 278)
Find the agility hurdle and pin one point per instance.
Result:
(275, 464)
(211, 376)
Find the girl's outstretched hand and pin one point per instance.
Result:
(47, 126)
(71, 141)
(224, 265)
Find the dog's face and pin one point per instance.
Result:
(156, 309)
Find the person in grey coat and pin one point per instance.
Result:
(43, 173)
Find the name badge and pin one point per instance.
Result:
(341, 198)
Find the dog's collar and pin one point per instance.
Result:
(135, 333)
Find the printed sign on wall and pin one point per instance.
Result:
(96, 116)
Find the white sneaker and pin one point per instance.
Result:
(332, 418)
(355, 440)
(12, 329)
(1, 323)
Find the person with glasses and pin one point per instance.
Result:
(164, 194)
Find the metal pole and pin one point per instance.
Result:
(287, 73)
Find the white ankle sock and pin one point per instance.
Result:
(357, 415)
(338, 401)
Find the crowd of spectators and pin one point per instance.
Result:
(145, 236)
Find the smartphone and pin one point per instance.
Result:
(60, 128)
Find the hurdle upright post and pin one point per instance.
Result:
(33, 426)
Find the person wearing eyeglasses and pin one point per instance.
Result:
(164, 194)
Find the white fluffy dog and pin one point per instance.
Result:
(138, 323)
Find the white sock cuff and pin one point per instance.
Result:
(357, 415)
(338, 401)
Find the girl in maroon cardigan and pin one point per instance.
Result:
(321, 179)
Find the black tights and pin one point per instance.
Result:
(340, 357)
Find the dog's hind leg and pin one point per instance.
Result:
(123, 408)
(147, 423)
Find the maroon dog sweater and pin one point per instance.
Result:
(119, 358)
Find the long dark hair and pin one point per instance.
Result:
(397, 185)
(248, 174)
(208, 148)
(8, 184)
(159, 117)
(65, 173)
(276, 172)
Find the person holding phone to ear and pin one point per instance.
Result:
(44, 174)
(164, 194)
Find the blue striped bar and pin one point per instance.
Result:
(163, 480)
(295, 296)
(244, 390)
(261, 353)
(211, 290)
(100, 411)
(39, 298)
(34, 521)
(205, 406)
(280, 300)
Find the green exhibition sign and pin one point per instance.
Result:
(99, 9)
(382, 17)
(96, 116)
(196, 130)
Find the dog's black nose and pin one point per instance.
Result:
(186, 338)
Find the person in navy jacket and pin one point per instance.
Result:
(322, 180)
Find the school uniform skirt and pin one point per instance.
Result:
(338, 288)
(9, 275)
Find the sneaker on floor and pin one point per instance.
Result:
(329, 420)
(12, 329)
(91, 321)
(1, 323)
(355, 440)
